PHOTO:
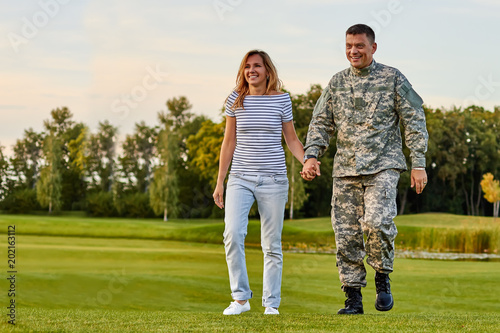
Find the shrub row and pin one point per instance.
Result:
(97, 204)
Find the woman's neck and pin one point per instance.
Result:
(261, 90)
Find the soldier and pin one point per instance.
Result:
(364, 105)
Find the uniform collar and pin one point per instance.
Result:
(364, 71)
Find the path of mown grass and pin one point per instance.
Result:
(85, 284)
(434, 232)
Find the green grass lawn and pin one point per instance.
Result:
(434, 232)
(99, 284)
(44, 320)
(431, 220)
(130, 279)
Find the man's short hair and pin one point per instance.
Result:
(358, 29)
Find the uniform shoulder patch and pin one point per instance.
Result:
(407, 92)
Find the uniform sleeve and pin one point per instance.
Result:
(322, 126)
(412, 115)
(287, 111)
(229, 103)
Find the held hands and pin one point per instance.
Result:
(311, 169)
(418, 180)
(309, 172)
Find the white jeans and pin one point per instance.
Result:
(271, 193)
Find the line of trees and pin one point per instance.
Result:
(170, 169)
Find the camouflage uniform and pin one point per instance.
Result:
(364, 107)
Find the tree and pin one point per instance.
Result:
(195, 196)
(78, 151)
(26, 160)
(164, 189)
(204, 148)
(4, 165)
(101, 157)
(61, 121)
(491, 189)
(138, 153)
(49, 184)
(463, 145)
(19, 179)
(481, 154)
(132, 177)
(73, 185)
(447, 151)
(178, 107)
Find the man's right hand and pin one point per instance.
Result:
(310, 169)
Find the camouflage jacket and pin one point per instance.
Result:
(364, 107)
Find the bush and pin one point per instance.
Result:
(21, 201)
(136, 205)
(101, 204)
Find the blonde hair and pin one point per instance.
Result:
(242, 87)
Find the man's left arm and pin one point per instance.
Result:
(412, 115)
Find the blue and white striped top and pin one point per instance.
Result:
(258, 133)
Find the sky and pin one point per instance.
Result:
(122, 60)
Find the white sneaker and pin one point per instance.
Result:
(271, 311)
(236, 308)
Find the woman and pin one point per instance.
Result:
(257, 112)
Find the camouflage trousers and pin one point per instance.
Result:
(364, 205)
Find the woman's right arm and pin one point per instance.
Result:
(226, 155)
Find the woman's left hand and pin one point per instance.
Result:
(219, 196)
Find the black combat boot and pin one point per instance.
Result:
(354, 301)
(384, 300)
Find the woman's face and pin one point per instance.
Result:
(255, 71)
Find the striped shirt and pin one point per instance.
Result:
(258, 133)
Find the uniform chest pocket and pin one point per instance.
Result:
(380, 105)
(343, 104)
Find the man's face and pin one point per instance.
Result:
(359, 50)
